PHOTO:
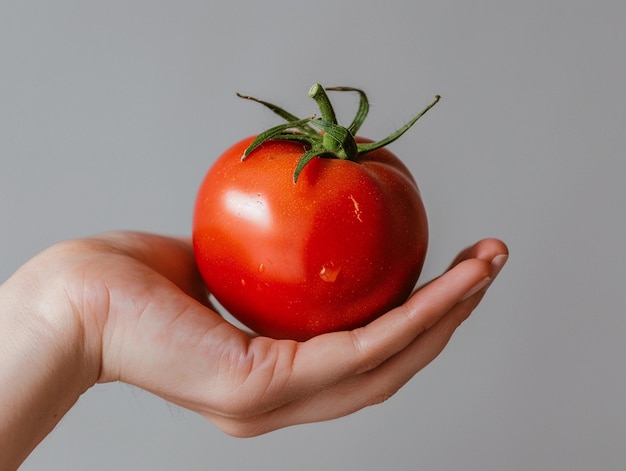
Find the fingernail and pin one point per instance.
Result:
(477, 287)
(497, 263)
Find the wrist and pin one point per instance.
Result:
(47, 356)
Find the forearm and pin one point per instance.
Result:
(43, 366)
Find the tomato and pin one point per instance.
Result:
(332, 251)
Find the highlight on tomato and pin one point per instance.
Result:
(308, 228)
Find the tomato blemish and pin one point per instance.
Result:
(357, 209)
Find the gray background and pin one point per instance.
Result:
(111, 112)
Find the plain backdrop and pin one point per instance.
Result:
(112, 111)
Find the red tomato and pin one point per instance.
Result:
(336, 249)
(341, 246)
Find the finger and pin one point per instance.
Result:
(493, 250)
(356, 392)
(330, 358)
(378, 384)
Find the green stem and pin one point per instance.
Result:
(361, 113)
(318, 93)
(363, 148)
(334, 141)
(286, 115)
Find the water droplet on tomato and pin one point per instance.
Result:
(261, 268)
(329, 273)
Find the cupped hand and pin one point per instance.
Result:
(146, 309)
(131, 307)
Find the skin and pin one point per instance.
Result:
(131, 307)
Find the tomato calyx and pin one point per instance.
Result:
(334, 140)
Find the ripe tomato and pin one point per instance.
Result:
(332, 251)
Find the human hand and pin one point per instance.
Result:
(131, 307)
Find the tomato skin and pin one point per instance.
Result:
(333, 251)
